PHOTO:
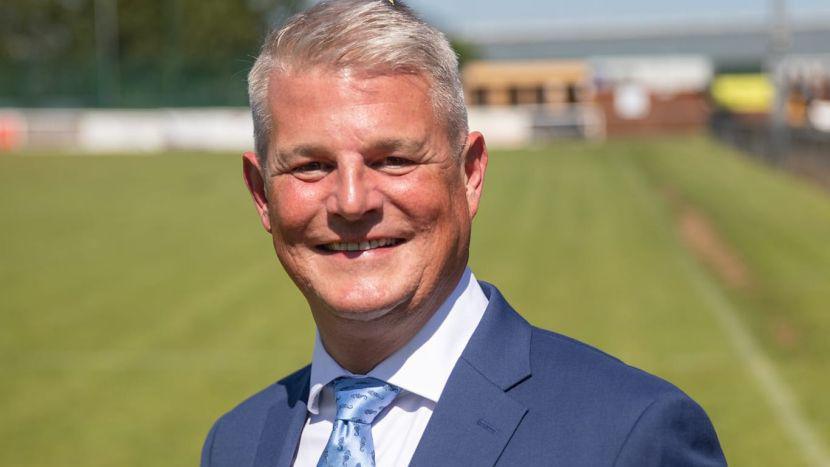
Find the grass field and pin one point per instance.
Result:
(140, 298)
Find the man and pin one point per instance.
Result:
(367, 179)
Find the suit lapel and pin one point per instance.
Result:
(475, 417)
(284, 424)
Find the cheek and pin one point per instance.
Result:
(428, 200)
(294, 205)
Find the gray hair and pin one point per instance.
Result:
(368, 36)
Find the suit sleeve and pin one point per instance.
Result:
(207, 448)
(672, 431)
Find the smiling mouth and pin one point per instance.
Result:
(361, 246)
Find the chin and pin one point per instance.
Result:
(360, 315)
(362, 311)
(365, 304)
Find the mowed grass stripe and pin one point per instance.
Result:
(779, 228)
(141, 297)
(780, 396)
(116, 300)
(778, 393)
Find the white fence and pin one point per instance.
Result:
(213, 129)
(126, 130)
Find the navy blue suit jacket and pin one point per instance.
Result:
(519, 396)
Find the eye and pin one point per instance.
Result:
(309, 167)
(393, 163)
(311, 170)
(397, 161)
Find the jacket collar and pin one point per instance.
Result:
(284, 423)
(475, 417)
(500, 346)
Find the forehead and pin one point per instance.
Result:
(322, 86)
(335, 103)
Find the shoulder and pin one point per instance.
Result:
(564, 373)
(236, 433)
(565, 369)
(672, 430)
(561, 357)
(590, 401)
(257, 405)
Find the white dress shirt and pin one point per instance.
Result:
(421, 369)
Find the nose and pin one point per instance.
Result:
(354, 194)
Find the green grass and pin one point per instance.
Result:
(140, 298)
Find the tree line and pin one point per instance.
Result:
(134, 53)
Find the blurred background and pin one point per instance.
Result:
(658, 188)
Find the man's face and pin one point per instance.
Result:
(368, 203)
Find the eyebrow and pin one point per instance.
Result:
(396, 144)
(303, 150)
(380, 145)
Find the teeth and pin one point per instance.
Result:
(360, 246)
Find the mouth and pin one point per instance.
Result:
(364, 245)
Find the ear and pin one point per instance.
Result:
(252, 173)
(475, 165)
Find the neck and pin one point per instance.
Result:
(359, 346)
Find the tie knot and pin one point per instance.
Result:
(360, 400)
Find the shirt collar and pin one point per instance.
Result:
(424, 364)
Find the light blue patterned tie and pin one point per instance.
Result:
(359, 401)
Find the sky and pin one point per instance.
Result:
(482, 17)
